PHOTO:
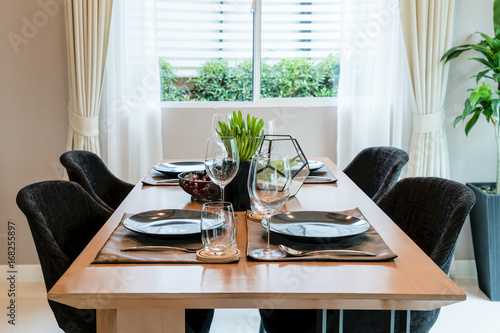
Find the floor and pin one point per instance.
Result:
(478, 314)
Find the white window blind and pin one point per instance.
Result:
(296, 29)
(191, 32)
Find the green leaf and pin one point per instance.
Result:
(457, 120)
(455, 52)
(495, 108)
(472, 122)
(481, 75)
(488, 53)
(488, 64)
(496, 18)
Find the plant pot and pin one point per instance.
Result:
(236, 191)
(485, 227)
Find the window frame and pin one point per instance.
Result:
(256, 101)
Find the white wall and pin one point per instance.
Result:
(33, 104)
(472, 158)
(313, 127)
(33, 123)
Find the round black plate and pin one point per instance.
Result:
(315, 226)
(175, 168)
(166, 223)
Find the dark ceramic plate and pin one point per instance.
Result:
(314, 226)
(315, 165)
(166, 223)
(175, 168)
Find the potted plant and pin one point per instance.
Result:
(248, 136)
(485, 215)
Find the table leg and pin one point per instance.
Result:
(141, 320)
(106, 321)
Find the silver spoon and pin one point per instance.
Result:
(158, 248)
(297, 253)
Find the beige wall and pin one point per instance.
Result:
(34, 94)
(33, 100)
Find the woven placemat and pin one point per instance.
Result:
(369, 241)
(156, 178)
(122, 237)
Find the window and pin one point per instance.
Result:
(240, 50)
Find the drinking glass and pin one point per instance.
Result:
(269, 127)
(222, 161)
(219, 117)
(217, 226)
(269, 182)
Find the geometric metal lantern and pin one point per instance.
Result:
(288, 145)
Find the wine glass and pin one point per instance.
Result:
(268, 129)
(219, 118)
(269, 182)
(222, 161)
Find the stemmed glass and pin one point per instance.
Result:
(219, 118)
(222, 161)
(269, 182)
(269, 128)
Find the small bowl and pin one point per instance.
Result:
(200, 190)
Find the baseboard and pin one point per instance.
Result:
(463, 269)
(24, 273)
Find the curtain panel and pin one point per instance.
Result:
(87, 33)
(131, 112)
(427, 27)
(371, 98)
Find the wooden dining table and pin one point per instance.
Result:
(153, 297)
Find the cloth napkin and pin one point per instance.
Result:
(322, 172)
(122, 237)
(369, 241)
(154, 178)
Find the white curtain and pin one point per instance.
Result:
(131, 122)
(371, 99)
(87, 32)
(427, 27)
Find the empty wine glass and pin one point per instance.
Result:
(222, 161)
(269, 127)
(217, 119)
(269, 182)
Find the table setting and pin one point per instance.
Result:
(263, 170)
(166, 245)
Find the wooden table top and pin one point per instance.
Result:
(411, 281)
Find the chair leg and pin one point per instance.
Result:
(261, 328)
(404, 321)
(390, 321)
(337, 321)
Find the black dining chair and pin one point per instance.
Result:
(88, 170)
(431, 211)
(376, 169)
(63, 218)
